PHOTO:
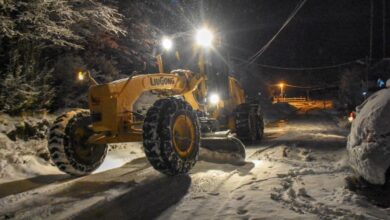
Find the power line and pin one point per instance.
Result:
(265, 47)
(295, 86)
(301, 87)
(308, 87)
(307, 68)
(299, 68)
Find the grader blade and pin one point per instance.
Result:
(222, 149)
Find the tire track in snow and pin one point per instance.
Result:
(57, 198)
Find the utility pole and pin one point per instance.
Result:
(367, 70)
(384, 28)
(369, 58)
(371, 28)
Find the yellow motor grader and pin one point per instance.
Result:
(171, 113)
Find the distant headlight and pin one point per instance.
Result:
(352, 116)
(214, 99)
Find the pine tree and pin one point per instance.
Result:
(16, 93)
(46, 91)
(57, 22)
(38, 32)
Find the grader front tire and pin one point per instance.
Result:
(67, 144)
(171, 136)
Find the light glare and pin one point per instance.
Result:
(167, 43)
(80, 76)
(214, 99)
(204, 37)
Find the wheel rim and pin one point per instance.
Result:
(183, 135)
(83, 151)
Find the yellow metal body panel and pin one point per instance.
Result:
(235, 98)
(236, 92)
(111, 104)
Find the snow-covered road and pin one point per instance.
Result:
(296, 172)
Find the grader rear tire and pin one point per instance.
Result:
(67, 144)
(249, 123)
(171, 136)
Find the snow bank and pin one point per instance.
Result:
(23, 147)
(369, 140)
(277, 111)
(23, 159)
(26, 127)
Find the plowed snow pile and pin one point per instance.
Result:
(23, 151)
(369, 141)
(277, 111)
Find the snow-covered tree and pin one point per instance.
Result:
(38, 32)
(14, 92)
(57, 22)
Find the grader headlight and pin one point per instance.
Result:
(214, 99)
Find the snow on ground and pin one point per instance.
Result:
(120, 154)
(274, 112)
(297, 172)
(369, 140)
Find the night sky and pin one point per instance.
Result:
(324, 32)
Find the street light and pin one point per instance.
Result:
(204, 37)
(281, 85)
